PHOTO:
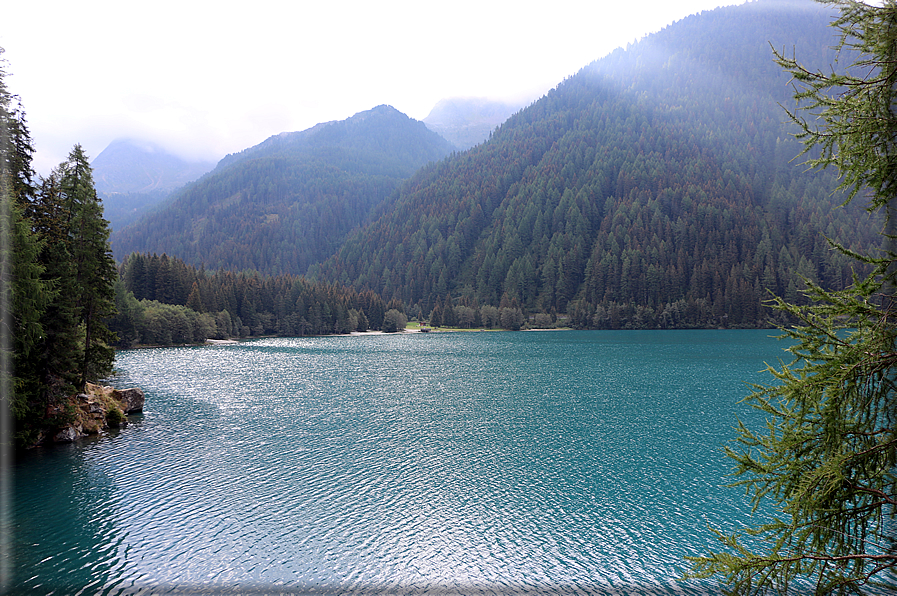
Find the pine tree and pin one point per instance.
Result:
(436, 314)
(31, 294)
(448, 313)
(77, 257)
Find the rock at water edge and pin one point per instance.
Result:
(131, 399)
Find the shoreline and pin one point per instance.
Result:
(236, 341)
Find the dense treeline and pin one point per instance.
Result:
(653, 189)
(58, 279)
(163, 301)
(289, 202)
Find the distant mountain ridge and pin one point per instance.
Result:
(289, 201)
(133, 176)
(135, 166)
(401, 144)
(468, 121)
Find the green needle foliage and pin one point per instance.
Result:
(826, 458)
(56, 280)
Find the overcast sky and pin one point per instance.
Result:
(205, 79)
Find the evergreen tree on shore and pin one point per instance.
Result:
(94, 268)
(26, 292)
(827, 458)
(78, 261)
(58, 279)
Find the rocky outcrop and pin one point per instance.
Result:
(99, 408)
(67, 435)
(131, 400)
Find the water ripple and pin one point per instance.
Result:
(480, 464)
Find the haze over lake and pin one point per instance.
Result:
(556, 462)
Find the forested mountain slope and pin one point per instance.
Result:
(654, 188)
(290, 201)
(133, 176)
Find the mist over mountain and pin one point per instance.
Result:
(131, 165)
(468, 121)
(654, 188)
(288, 202)
(132, 176)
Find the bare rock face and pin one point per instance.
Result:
(131, 399)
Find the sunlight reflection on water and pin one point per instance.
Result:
(582, 462)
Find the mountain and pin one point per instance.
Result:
(134, 166)
(131, 176)
(288, 202)
(468, 121)
(654, 188)
(381, 140)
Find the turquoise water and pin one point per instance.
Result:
(493, 463)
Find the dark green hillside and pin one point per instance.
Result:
(652, 189)
(290, 201)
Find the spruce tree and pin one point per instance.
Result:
(93, 266)
(26, 293)
(62, 338)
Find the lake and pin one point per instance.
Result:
(452, 463)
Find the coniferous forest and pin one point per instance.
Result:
(289, 202)
(58, 279)
(657, 188)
